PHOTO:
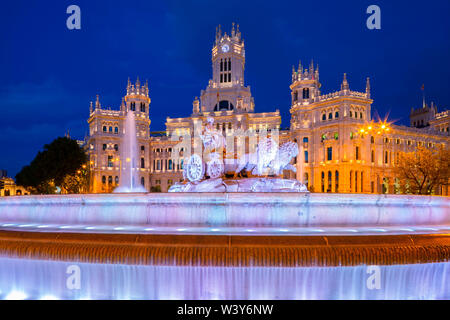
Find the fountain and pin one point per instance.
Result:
(129, 172)
(253, 238)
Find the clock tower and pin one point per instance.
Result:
(226, 89)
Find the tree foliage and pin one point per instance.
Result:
(62, 157)
(424, 170)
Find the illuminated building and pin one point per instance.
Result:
(341, 148)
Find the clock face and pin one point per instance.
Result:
(225, 48)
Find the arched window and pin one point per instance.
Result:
(336, 114)
(324, 117)
(351, 181)
(336, 181)
(360, 115)
(221, 65)
(104, 129)
(142, 163)
(224, 105)
(110, 180)
(330, 116)
(170, 164)
(116, 147)
(323, 181)
(305, 93)
(329, 181)
(103, 179)
(351, 114)
(306, 156)
(116, 130)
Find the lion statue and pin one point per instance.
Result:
(285, 153)
(268, 158)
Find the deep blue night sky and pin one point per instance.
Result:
(48, 74)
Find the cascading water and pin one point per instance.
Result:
(40, 279)
(129, 172)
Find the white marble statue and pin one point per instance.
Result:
(268, 159)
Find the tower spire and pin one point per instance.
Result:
(368, 87)
(344, 85)
(97, 103)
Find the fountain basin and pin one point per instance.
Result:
(228, 213)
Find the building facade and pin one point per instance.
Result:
(341, 148)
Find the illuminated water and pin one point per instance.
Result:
(129, 168)
(35, 279)
(271, 214)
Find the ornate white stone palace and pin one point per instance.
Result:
(340, 147)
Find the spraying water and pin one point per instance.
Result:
(129, 171)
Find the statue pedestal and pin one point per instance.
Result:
(241, 185)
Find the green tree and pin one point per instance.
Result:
(62, 157)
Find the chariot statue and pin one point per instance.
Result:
(206, 172)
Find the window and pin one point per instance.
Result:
(306, 156)
(357, 153)
(329, 181)
(170, 164)
(142, 163)
(116, 130)
(336, 181)
(386, 157)
(104, 129)
(295, 96)
(116, 147)
(110, 180)
(329, 153)
(158, 164)
(143, 181)
(142, 106)
(360, 115)
(351, 114)
(116, 180)
(133, 106)
(103, 179)
(372, 139)
(336, 114)
(181, 164)
(110, 162)
(110, 130)
(330, 116)
(372, 156)
(324, 117)
(104, 146)
(305, 93)
(323, 181)
(305, 140)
